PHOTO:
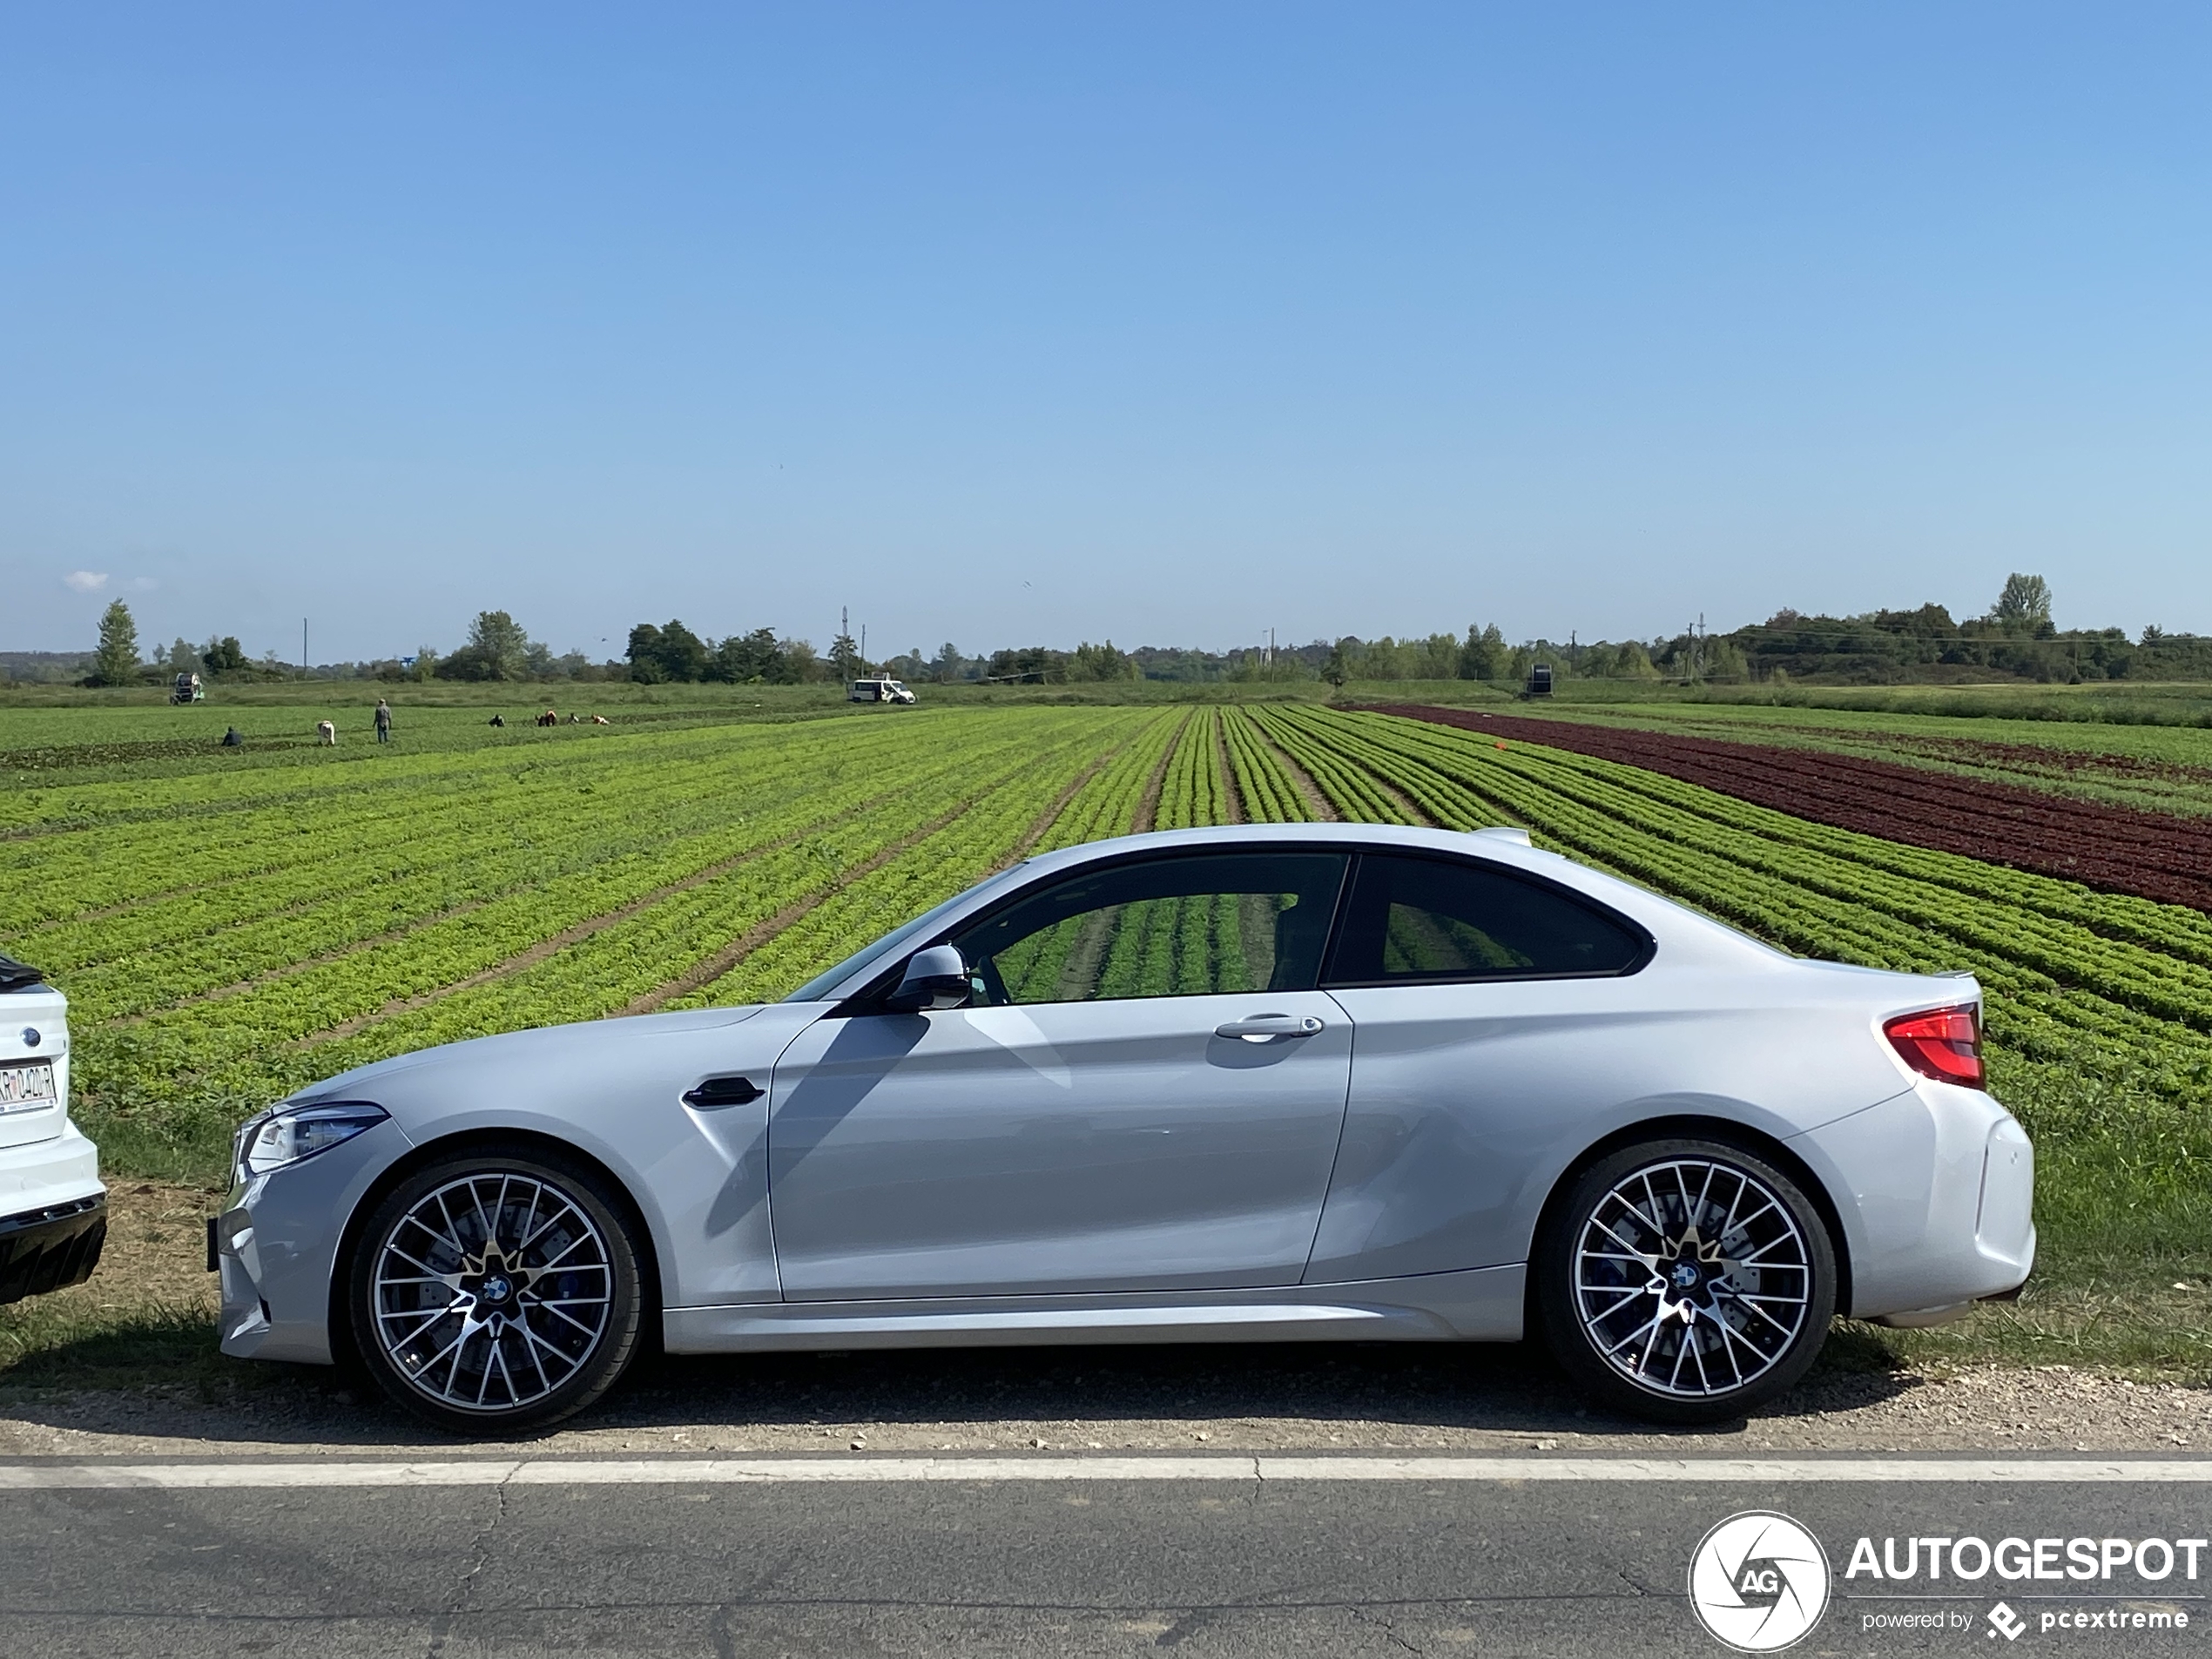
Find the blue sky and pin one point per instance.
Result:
(1038, 323)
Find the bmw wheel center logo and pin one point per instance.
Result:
(1759, 1582)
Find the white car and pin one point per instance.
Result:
(1280, 1083)
(53, 1209)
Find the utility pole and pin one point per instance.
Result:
(303, 645)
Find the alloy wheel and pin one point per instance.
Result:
(491, 1291)
(1692, 1278)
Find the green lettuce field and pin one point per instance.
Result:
(232, 923)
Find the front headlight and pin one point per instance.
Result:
(291, 1133)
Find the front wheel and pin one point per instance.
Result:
(496, 1292)
(1685, 1281)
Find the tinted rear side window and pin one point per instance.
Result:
(1412, 919)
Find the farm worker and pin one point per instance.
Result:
(383, 721)
(233, 739)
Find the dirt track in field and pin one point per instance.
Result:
(2152, 856)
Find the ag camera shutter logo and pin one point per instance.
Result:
(1759, 1582)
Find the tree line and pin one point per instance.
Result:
(2015, 637)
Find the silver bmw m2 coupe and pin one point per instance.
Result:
(1293, 1083)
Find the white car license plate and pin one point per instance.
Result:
(25, 1087)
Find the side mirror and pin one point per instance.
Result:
(936, 979)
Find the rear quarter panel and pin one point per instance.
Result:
(1469, 1102)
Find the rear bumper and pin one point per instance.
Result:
(1936, 1188)
(55, 1245)
(53, 1214)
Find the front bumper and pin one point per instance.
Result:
(276, 1245)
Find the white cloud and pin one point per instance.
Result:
(86, 581)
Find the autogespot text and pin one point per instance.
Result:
(1973, 1560)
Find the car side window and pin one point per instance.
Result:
(1191, 926)
(1411, 919)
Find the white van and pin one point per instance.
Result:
(879, 690)
(53, 1209)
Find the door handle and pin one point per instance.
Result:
(723, 1091)
(1265, 1027)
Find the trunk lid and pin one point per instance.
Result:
(34, 1027)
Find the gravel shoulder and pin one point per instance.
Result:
(1375, 1397)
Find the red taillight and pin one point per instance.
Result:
(1944, 1045)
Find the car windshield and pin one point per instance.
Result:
(822, 986)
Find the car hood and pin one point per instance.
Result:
(539, 1052)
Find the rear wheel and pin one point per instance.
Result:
(495, 1292)
(1685, 1281)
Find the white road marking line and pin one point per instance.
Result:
(724, 1470)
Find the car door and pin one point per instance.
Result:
(1145, 1093)
(1498, 1015)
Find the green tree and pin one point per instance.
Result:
(744, 659)
(2024, 607)
(658, 655)
(644, 655)
(1485, 656)
(1101, 662)
(1337, 669)
(845, 657)
(116, 661)
(799, 666)
(500, 643)
(683, 653)
(1028, 665)
(224, 655)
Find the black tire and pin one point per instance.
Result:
(1611, 1294)
(498, 1340)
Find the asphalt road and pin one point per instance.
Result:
(830, 1556)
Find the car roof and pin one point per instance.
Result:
(1498, 841)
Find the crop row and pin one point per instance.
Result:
(1107, 804)
(667, 941)
(218, 934)
(1352, 788)
(1271, 795)
(2152, 856)
(2013, 915)
(102, 865)
(979, 840)
(450, 976)
(1193, 793)
(1792, 898)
